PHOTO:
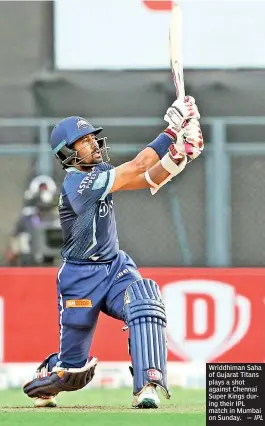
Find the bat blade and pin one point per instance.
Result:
(175, 53)
(175, 50)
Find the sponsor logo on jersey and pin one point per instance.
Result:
(121, 273)
(127, 271)
(87, 182)
(104, 208)
(82, 303)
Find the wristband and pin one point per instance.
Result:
(161, 144)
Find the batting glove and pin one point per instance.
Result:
(179, 112)
(189, 140)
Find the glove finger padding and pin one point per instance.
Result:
(192, 152)
(61, 379)
(180, 111)
(193, 139)
(189, 99)
(193, 133)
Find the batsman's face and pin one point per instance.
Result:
(88, 150)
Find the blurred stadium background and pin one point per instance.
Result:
(202, 237)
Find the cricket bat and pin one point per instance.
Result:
(175, 51)
(175, 54)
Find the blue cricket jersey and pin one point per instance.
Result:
(87, 215)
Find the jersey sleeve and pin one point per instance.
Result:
(86, 189)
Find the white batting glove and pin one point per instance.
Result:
(190, 139)
(179, 112)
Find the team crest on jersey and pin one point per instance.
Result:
(83, 124)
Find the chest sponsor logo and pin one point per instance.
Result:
(104, 208)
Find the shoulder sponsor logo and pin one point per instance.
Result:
(87, 182)
(82, 303)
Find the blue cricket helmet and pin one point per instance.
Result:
(68, 131)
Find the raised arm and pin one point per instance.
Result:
(155, 177)
(129, 171)
(130, 175)
(187, 139)
(169, 166)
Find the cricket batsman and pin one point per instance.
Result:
(95, 275)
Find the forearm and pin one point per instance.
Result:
(149, 158)
(157, 174)
(130, 175)
(128, 172)
(173, 163)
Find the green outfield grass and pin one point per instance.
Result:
(105, 407)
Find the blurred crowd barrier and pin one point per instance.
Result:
(210, 215)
